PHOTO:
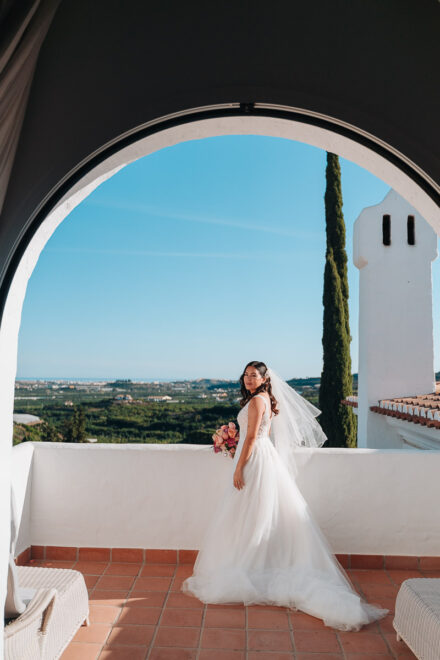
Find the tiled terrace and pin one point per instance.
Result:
(137, 612)
(81, 507)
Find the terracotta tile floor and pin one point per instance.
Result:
(137, 612)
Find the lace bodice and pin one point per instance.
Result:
(265, 423)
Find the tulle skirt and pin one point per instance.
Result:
(262, 546)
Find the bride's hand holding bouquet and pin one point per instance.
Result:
(226, 439)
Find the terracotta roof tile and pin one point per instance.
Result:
(421, 409)
(350, 401)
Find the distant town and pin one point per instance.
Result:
(124, 410)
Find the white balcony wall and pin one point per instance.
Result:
(367, 501)
(21, 479)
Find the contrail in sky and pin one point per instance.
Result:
(238, 224)
(152, 253)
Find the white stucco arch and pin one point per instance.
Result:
(323, 138)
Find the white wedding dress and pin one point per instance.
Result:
(263, 546)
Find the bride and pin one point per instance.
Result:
(262, 545)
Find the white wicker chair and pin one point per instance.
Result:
(417, 616)
(70, 609)
(61, 590)
(44, 607)
(25, 637)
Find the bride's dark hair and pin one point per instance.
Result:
(264, 387)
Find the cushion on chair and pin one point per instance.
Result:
(16, 597)
(14, 605)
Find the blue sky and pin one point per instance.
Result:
(192, 261)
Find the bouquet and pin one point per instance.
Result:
(226, 439)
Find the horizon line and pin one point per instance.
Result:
(143, 379)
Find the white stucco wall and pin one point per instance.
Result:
(396, 342)
(161, 496)
(22, 473)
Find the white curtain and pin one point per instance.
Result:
(18, 56)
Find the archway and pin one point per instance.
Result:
(92, 173)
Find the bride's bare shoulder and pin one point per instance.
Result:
(257, 403)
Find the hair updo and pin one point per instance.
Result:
(264, 387)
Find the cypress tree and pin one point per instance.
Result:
(335, 229)
(75, 427)
(80, 425)
(49, 433)
(336, 419)
(68, 430)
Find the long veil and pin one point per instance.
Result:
(295, 425)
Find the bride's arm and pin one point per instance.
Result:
(255, 413)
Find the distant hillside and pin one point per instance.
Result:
(297, 383)
(223, 384)
(303, 382)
